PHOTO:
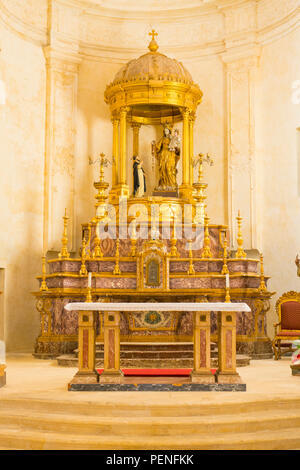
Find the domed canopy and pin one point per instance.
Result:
(154, 86)
(153, 66)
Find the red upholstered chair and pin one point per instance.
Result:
(288, 327)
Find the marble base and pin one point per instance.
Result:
(228, 379)
(202, 378)
(107, 378)
(147, 387)
(165, 193)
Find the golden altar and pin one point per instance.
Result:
(181, 257)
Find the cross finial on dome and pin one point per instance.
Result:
(153, 46)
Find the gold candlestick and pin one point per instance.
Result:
(240, 252)
(83, 270)
(206, 253)
(191, 269)
(225, 267)
(117, 267)
(97, 253)
(200, 187)
(262, 286)
(44, 286)
(227, 295)
(64, 254)
(133, 239)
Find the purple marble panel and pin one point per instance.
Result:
(203, 358)
(253, 267)
(215, 266)
(106, 266)
(185, 324)
(127, 266)
(190, 283)
(116, 283)
(218, 283)
(252, 282)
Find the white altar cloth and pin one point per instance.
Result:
(159, 306)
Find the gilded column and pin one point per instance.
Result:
(242, 180)
(185, 189)
(86, 348)
(111, 372)
(122, 183)
(191, 138)
(116, 156)
(136, 130)
(226, 372)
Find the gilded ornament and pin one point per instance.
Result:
(240, 252)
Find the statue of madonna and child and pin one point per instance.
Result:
(167, 154)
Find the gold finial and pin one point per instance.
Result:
(227, 295)
(101, 187)
(262, 286)
(200, 187)
(206, 253)
(191, 269)
(43, 284)
(240, 252)
(83, 270)
(225, 267)
(103, 162)
(64, 249)
(97, 253)
(89, 295)
(117, 267)
(153, 46)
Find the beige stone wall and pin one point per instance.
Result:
(277, 121)
(21, 186)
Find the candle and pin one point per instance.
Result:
(227, 281)
(90, 279)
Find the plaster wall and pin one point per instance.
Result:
(277, 121)
(21, 186)
(198, 41)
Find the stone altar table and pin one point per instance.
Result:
(201, 378)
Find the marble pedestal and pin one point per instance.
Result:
(295, 369)
(2, 375)
(201, 378)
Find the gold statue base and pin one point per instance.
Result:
(165, 193)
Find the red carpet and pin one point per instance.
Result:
(156, 372)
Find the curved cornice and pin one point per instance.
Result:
(105, 32)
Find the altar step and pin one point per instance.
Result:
(150, 355)
(48, 424)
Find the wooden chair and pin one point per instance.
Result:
(288, 327)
